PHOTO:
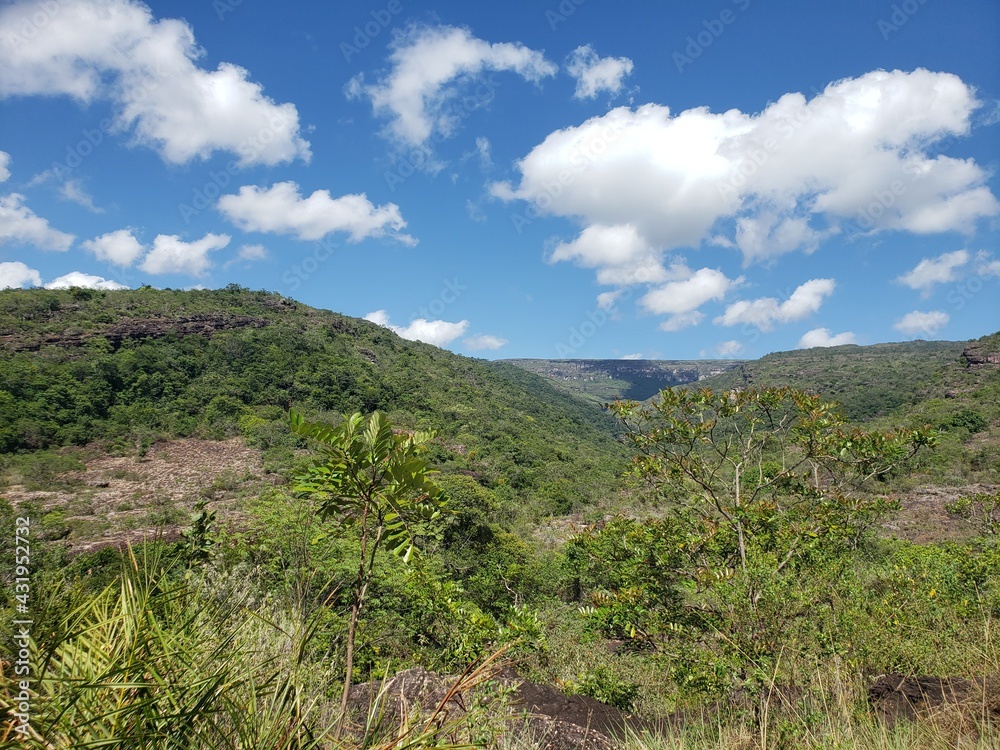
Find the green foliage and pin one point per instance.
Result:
(199, 538)
(604, 685)
(868, 381)
(628, 574)
(119, 368)
(982, 508)
(373, 481)
(766, 496)
(967, 419)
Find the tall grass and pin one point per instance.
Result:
(157, 662)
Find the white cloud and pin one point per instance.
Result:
(594, 74)
(931, 271)
(922, 323)
(682, 320)
(781, 180)
(681, 299)
(436, 332)
(986, 265)
(170, 254)
(729, 348)
(483, 151)
(252, 252)
(115, 50)
(823, 337)
(280, 209)
(83, 280)
(20, 224)
(73, 190)
(766, 311)
(4, 166)
(634, 356)
(607, 300)
(120, 248)
(483, 341)
(14, 275)
(430, 67)
(619, 252)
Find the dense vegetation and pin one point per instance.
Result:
(81, 366)
(742, 558)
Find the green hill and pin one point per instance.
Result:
(868, 381)
(126, 368)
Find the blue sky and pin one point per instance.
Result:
(524, 179)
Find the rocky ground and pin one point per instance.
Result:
(121, 499)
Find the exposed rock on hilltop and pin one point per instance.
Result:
(204, 324)
(979, 354)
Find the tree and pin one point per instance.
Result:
(373, 480)
(762, 485)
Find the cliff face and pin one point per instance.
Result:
(203, 324)
(979, 355)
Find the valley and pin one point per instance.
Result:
(155, 424)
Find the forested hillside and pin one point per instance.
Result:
(128, 368)
(712, 565)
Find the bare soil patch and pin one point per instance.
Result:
(123, 499)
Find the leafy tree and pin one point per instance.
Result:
(763, 471)
(766, 490)
(371, 479)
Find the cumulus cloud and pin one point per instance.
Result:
(764, 312)
(82, 280)
(252, 252)
(75, 192)
(729, 348)
(170, 254)
(595, 74)
(483, 341)
(281, 209)
(823, 337)
(633, 356)
(861, 155)
(922, 323)
(4, 166)
(20, 224)
(436, 332)
(116, 51)
(431, 66)
(14, 275)
(681, 299)
(986, 265)
(607, 300)
(119, 248)
(931, 271)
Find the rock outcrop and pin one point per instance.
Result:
(977, 356)
(539, 714)
(204, 324)
(897, 697)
